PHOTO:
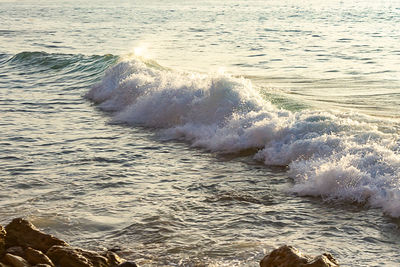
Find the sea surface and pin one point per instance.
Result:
(204, 133)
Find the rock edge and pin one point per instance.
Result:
(288, 256)
(23, 245)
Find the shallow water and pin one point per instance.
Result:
(177, 160)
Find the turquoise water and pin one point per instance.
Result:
(204, 133)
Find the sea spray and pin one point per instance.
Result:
(337, 156)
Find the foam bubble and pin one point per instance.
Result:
(332, 155)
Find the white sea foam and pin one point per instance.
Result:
(336, 156)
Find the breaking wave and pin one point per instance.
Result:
(336, 156)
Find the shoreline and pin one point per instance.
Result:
(23, 245)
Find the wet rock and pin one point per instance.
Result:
(15, 261)
(325, 259)
(23, 245)
(35, 257)
(22, 233)
(18, 251)
(288, 256)
(32, 256)
(113, 258)
(2, 240)
(73, 257)
(128, 264)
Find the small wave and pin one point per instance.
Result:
(336, 156)
(40, 61)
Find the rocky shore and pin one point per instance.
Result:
(23, 245)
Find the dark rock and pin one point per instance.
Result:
(115, 249)
(32, 256)
(15, 261)
(35, 257)
(22, 233)
(73, 257)
(23, 245)
(18, 251)
(2, 240)
(325, 259)
(128, 264)
(113, 259)
(288, 256)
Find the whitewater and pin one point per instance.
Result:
(187, 134)
(340, 156)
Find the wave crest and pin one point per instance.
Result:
(70, 63)
(333, 155)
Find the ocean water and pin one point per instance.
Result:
(187, 133)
